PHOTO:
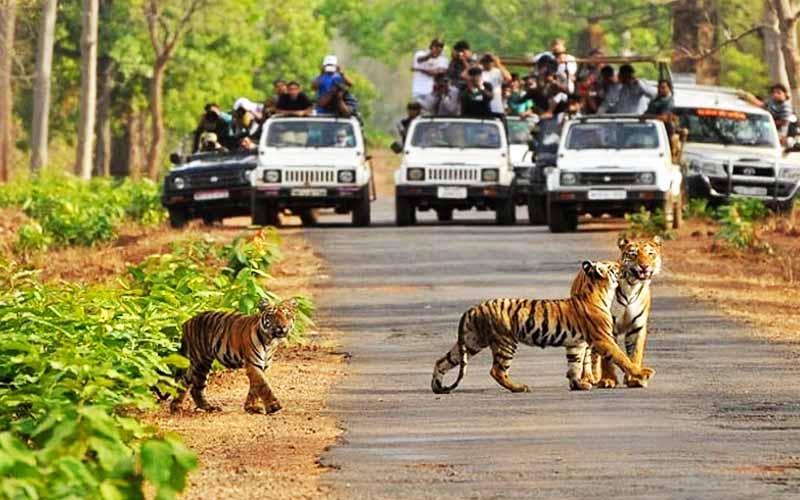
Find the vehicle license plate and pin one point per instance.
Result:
(608, 194)
(451, 193)
(750, 190)
(220, 194)
(309, 192)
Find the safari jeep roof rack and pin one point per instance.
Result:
(584, 119)
(661, 63)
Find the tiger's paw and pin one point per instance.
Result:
(209, 408)
(580, 385)
(635, 382)
(521, 388)
(273, 407)
(255, 409)
(646, 373)
(607, 383)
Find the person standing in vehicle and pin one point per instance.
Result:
(413, 110)
(444, 100)
(476, 98)
(217, 122)
(294, 102)
(630, 96)
(496, 74)
(330, 83)
(427, 65)
(777, 105)
(460, 61)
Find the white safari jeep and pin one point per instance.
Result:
(612, 164)
(454, 164)
(733, 149)
(309, 163)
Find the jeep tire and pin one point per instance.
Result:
(308, 217)
(537, 210)
(405, 212)
(505, 214)
(264, 214)
(561, 219)
(444, 214)
(178, 217)
(361, 211)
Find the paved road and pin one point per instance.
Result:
(721, 418)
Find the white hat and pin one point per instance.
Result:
(329, 63)
(246, 104)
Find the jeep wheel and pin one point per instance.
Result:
(264, 214)
(506, 212)
(405, 213)
(178, 217)
(560, 219)
(361, 212)
(444, 214)
(308, 217)
(209, 220)
(537, 210)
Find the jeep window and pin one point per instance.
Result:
(719, 126)
(613, 135)
(439, 134)
(310, 134)
(519, 132)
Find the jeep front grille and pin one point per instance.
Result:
(454, 174)
(606, 178)
(216, 178)
(309, 176)
(753, 170)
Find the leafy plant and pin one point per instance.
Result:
(646, 224)
(698, 208)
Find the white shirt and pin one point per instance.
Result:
(422, 84)
(495, 77)
(565, 71)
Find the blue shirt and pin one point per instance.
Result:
(326, 82)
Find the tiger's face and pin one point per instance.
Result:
(277, 320)
(604, 274)
(640, 259)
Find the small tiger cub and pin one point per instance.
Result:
(501, 324)
(236, 341)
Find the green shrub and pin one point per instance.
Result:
(77, 361)
(746, 209)
(647, 224)
(698, 208)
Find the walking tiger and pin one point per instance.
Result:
(501, 324)
(236, 341)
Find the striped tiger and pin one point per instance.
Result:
(502, 323)
(640, 261)
(236, 341)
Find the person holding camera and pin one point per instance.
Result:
(460, 62)
(331, 85)
(217, 122)
(427, 65)
(444, 100)
(476, 98)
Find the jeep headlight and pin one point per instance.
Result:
(347, 176)
(490, 174)
(710, 168)
(179, 183)
(273, 176)
(646, 178)
(415, 174)
(569, 179)
(790, 174)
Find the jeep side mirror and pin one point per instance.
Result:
(396, 147)
(176, 159)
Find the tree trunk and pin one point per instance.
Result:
(88, 108)
(135, 156)
(787, 20)
(772, 45)
(694, 33)
(41, 87)
(102, 154)
(156, 118)
(591, 37)
(8, 12)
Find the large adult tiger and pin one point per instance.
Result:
(236, 341)
(502, 323)
(640, 261)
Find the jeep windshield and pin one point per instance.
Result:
(462, 135)
(519, 132)
(719, 126)
(612, 135)
(310, 134)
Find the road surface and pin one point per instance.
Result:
(721, 418)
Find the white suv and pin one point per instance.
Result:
(454, 164)
(309, 163)
(612, 164)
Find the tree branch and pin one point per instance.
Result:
(689, 55)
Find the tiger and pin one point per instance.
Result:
(501, 324)
(640, 261)
(236, 341)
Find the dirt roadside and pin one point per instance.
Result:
(241, 455)
(761, 289)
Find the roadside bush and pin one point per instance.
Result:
(67, 211)
(78, 362)
(698, 208)
(737, 225)
(645, 224)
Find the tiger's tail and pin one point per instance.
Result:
(436, 382)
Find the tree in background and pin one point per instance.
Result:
(694, 35)
(8, 14)
(788, 14)
(83, 162)
(41, 97)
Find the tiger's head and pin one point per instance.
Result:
(277, 320)
(640, 259)
(597, 281)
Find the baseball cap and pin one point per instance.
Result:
(329, 63)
